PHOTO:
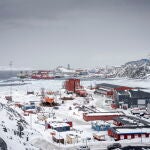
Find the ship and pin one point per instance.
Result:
(47, 75)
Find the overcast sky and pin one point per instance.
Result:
(82, 33)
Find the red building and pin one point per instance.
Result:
(108, 89)
(120, 133)
(101, 116)
(73, 85)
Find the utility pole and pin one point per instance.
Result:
(31, 121)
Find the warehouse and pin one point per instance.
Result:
(101, 116)
(108, 89)
(131, 98)
(129, 121)
(120, 133)
(72, 84)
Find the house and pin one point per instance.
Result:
(58, 139)
(48, 124)
(72, 138)
(131, 98)
(100, 125)
(60, 127)
(120, 133)
(29, 108)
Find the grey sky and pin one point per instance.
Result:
(83, 33)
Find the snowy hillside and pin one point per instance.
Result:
(135, 69)
(15, 130)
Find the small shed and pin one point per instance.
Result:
(58, 139)
(28, 107)
(99, 137)
(72, 138)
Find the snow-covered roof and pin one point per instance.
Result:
(105, 114)
(133, 130)
(100, 122)
(57, 125)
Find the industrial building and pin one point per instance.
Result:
(129, 121)
(73, 85)
(108, 89)
(120, 133)
(105, 116)
(131, 98)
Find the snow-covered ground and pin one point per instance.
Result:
(42, 137)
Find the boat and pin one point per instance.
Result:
(42, 75)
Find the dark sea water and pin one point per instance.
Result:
(9, 78)
(6, 75)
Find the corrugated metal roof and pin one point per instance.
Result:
(139, 94)
(108, 85)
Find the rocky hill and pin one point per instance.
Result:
(135, 69)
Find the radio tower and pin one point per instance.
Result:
(10, 65)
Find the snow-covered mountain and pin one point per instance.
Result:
(135, 69)
(139, 69)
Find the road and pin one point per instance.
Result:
(46, 145)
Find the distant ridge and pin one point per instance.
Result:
(138, 69)
(7, 68)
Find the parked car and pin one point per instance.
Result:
(113, 146)
(83, 148)
(55, 107)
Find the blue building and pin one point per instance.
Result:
(60, 127)
(100, 126)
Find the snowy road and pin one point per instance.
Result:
(70, 117)
(45, 145)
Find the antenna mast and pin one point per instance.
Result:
(10, 65)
